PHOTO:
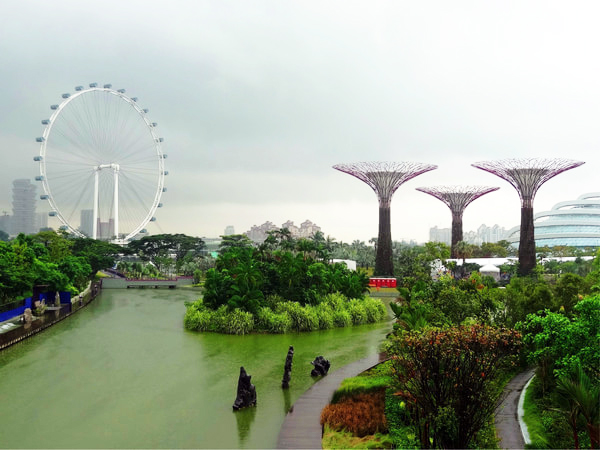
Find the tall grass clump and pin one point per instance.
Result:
(357, 312)
(273, 322)
(303, 318)
(325, 316)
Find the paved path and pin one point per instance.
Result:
(301, 427)
(507, 419)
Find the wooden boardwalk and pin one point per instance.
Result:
(301, 427)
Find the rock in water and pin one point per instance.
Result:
(287, 370)
(321, 367)
(246, 392)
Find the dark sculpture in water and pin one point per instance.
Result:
(321, 367)
(285, 383)
(246, 392)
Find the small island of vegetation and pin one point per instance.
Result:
(282, 285)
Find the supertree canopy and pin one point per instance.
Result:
(526, 176)
(384, 178)
(457, 198)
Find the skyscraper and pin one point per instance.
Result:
(23, 201)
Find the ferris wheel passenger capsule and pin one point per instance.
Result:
(44, 197)
(146, 110)
(45, 121)
(66, 95)
(37, 158)
(107, 86)
(52, 214)
(39, 178)
(93, 85)
(160, 140)
(54, 107)
(164, 156)
(164, 189)
(63, 228)
(165, 172)
(79, 88)
(159, 205)
(154, 124)
(39, 139)
(153, 219)
(122, 91)
(134, 99)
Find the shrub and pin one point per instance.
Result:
(273, 322)
(237, 322)
(325, 316)
(335, 300)
(199, 320)
(303, 318)
(342, 318)
(375, 310)
(362, 414)
(357, 312)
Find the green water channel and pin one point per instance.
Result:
(123, 373)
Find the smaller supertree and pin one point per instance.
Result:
(526, 176)
(457, 198)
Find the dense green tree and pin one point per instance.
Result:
(98, 254)
(16, 276)
(559, 343)
(234, 240)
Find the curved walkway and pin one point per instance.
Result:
(301, 427)
(506, 418)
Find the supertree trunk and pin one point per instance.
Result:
(384, 262)
(457, 234)
(527, 258)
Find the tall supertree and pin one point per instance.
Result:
(457, 198)
(526, 176)
(384, 178)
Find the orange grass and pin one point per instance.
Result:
(362, 414)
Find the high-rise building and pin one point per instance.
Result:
(5, 222)
(23, 201)
(86, 221)
(229, 230)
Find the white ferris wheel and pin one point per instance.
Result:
(101, 164)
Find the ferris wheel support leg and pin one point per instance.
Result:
(116, 201)
(95, 213)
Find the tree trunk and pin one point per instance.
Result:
(384, 264)
(457, 234)
(527, 242)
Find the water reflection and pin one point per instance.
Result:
(287, 400)
(244, 418)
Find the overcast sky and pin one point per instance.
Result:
(256, 100)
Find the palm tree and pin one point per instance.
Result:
(581, 397)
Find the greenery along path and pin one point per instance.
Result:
(507, 419)
(301, 427)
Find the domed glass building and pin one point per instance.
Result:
(574, 223)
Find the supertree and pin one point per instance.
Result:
(457, 198)
(526, 176)
(384, 178)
